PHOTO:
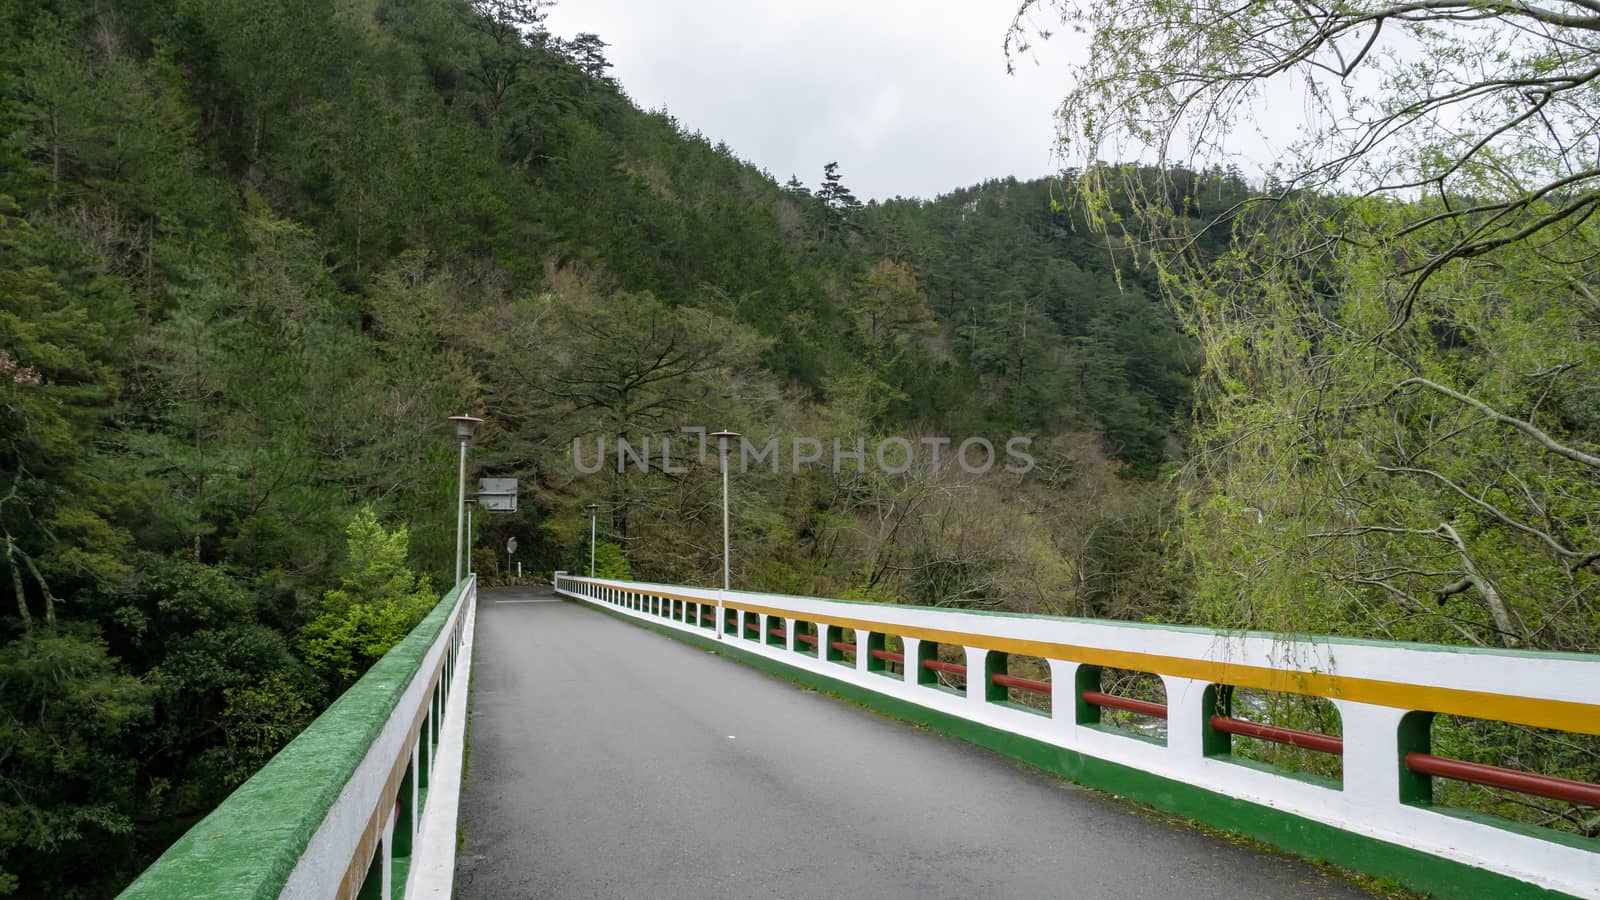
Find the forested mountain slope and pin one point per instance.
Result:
(254, 252)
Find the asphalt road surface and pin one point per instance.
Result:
(608, 761)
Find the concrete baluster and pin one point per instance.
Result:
(1190, 705)
(384, 859)
(425, 751)
(1372, 754)
(1064, 699)
(977, 678)
(405, 825)
(911, 647)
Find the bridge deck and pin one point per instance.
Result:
(610, 761)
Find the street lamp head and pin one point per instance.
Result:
(724, 438)
(592, 508)
(466, 426)
(472, 500)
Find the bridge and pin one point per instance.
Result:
(617, 748)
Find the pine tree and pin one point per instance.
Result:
(506, 20)
(587, 51)
(839, 206)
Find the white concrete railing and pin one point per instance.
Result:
(362, 802)
(375, 821)
(1383, 692)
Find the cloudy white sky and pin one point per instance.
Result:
(911, 97)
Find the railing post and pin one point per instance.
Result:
(1064, 698)
(1189, 708)
(1373, 754)
(425, 751)
(386, 853)
(911, 671)
(405, 810)
(977, 676)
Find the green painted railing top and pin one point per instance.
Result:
(249, 844)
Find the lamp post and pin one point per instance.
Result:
(466, 426)
(593, 508)
(471, 502)
(724, 439)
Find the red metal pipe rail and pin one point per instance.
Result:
(1127, 704)
(938, 665)
(1025, 684)
(888, 656)
(807, 638)
(1579, 792)
(777, 632)
(843, 647)
(1294, 737)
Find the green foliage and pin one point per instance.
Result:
(869, 592)
(486, 561)
(259, 719)
(56, 384)
(1394, 433)
(1059, 333)
(1367, 481)
(609, 561)
(69, 715)
(378, 601)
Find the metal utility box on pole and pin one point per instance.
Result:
(497, 494)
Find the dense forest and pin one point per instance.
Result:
(255, 253)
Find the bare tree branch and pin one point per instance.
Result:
(1526, 428)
